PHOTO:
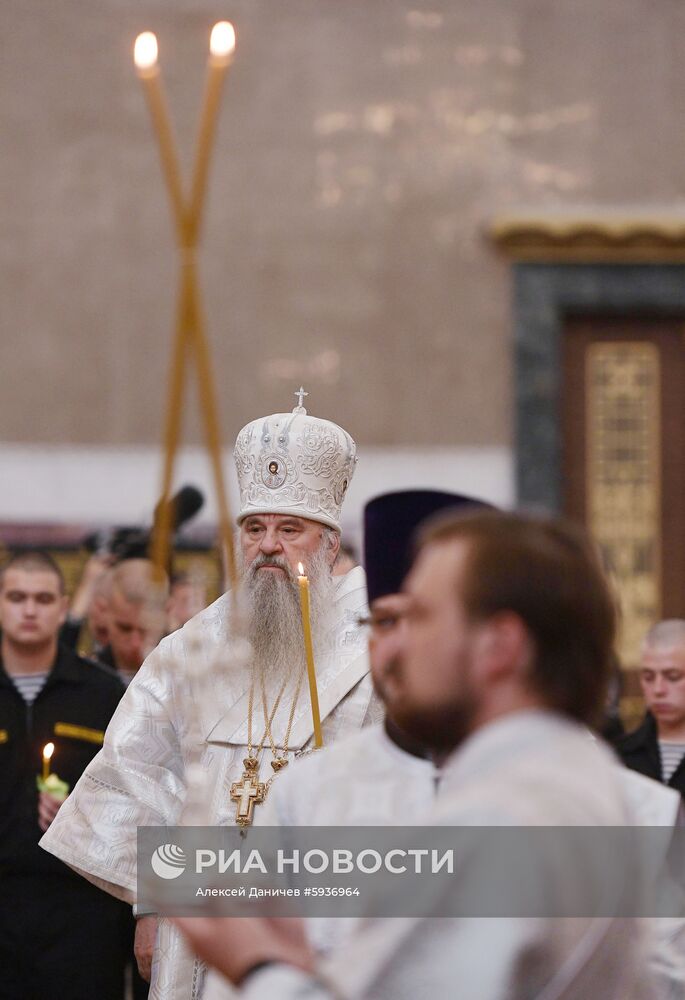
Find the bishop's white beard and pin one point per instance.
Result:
(274, 620)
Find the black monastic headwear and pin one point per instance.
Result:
(390, 525)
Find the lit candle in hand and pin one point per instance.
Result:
(311, 672)
(48, 751)
(50, 783)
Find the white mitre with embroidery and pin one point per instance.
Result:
(294, 463)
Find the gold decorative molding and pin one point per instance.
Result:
(588, 237)
(623, 479)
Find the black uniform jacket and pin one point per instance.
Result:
(640, 752)
(72, 711)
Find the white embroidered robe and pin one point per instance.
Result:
(138, 778)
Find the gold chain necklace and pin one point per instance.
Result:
(280, 762)
(251, 762)
(250, 791)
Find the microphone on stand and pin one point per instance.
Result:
(132, 541)
(183, 506)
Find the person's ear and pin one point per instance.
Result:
(333, 546)
(503, 646)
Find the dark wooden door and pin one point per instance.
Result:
(623, 432)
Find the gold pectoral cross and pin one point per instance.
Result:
(248, 793)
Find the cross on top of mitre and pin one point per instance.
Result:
(300, 400)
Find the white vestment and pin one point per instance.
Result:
(392, 787)
(652, 804)
(364, 780)
(527, 769)
(138, 778)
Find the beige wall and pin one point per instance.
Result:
(362, 147)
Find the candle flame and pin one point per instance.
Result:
(222, 40)
(300, 569)
(145, 50)
(48, 751)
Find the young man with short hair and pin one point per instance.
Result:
(133, 626)
(657, 747)
(59, 936)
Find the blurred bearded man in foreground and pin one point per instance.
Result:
(501, 658)
(395, 780)
(293, 472)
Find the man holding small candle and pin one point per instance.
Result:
(59, 937)
(293, 471)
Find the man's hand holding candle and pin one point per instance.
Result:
(52, 791)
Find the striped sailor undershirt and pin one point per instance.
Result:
(29, 686)
(671, 756)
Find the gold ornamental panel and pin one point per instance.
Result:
(624, 479)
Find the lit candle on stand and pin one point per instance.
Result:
(145, 56)
(190, 335)
(303, 582)
(48, 751)
(221, 49)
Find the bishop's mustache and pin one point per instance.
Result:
(275, 561)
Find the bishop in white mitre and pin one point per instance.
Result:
(293, 471)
